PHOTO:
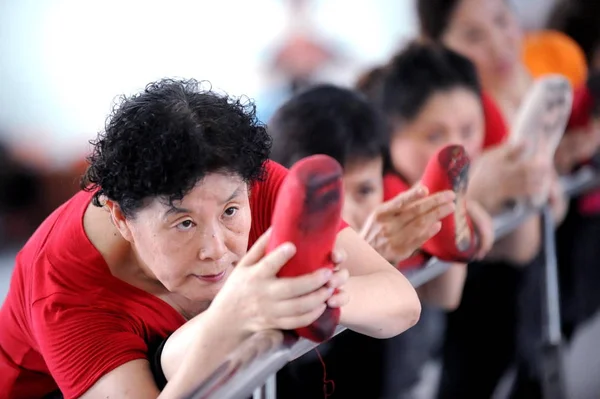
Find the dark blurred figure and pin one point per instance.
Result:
(28, 194)
(580, 19)
(578, 237)
(20, 189)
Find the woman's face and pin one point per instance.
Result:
(448, 117)
(363, 190)
(486, 32)
(192, 246)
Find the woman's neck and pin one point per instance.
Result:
(124, 265)
(116, 251)
(510, 94)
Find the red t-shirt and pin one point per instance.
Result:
(67, 320)
(495, 126)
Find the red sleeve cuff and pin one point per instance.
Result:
(583, 103)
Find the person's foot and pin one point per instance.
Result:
(308, 213)
(542, 120)
(457, 241)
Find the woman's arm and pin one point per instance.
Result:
(382, 302)
(207, 343)
(521, 246)
(445, 291)
(132, 380)
(252, 299)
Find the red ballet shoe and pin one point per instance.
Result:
(457, 241)
(308, 213)
(541, 123)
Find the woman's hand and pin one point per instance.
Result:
(255, 299)
(397, 228)
(503, 174)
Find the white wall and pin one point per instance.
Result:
(64, 61)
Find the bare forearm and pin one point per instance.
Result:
(446, 290)
(521, 246)
(381, 305)
(194, 351)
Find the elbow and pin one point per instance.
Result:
(411, 314)
(445, 291)
(525, 251)
(407, 314)
(415, 313)
(523, 245)
(452, 303)
(448, 302)
(525, 256)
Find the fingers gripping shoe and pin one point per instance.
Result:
(457, 241)
(308, 213)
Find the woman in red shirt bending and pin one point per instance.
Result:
(153, 254)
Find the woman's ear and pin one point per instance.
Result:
(119, 220)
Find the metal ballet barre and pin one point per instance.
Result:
(258, 359)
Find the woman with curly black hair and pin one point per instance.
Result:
(152, 253)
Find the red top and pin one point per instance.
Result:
(67, 320)
(495, 126)
(583, 102)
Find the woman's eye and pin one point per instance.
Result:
(185, 225)
(365, 190)
(434, 137)
(229, 212)
(473, 36)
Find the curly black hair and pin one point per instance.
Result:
(328, 120)
(161, 142)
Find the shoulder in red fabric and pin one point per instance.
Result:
(495, 126)
(66, 320)
(393, 185)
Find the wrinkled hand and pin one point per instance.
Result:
(484, 225)
(397, 228)
(503, 174)
(255, 299)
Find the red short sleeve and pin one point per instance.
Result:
(495, 126)
(581, 113)
(263, 197)
(81, 343)
(393, 185)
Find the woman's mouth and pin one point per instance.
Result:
(503, 67)
(212, 278)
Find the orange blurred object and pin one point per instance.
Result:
(551, 51)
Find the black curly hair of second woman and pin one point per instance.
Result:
(161, 142)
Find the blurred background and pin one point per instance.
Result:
(64, 62)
